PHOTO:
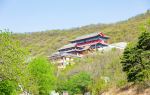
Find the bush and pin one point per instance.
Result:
(136, 59)
(12, 63)
(99, 86)
(42, 76)
(7, 87)
(75, 84)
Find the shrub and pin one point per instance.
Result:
(7, 87)
(76, 84)
(136, 59)
(42, 76)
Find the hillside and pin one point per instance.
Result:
(47, 42)
(129, 90)
(108, 72)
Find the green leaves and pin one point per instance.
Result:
(7, 87)
(75, 84)
(136, 59)
(12, 62)
(42, 76)
(144, 41)
(12, 57)
(37, 77)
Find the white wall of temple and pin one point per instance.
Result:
(120, 45)
(65, 60)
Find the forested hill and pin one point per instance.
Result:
(47, 42)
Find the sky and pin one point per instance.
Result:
(21, 16)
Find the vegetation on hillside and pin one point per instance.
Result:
(21, 72)
(104, 69)
(12, 56)
(8, 87)
(47, 42)
(136, 58)
(75, 84)
(41, 76)
(12, 63)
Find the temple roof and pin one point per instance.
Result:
(90, 35)
(84, 48)
(82, 37)
(68, 46)
(93, 43)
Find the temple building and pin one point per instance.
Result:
(81, 46)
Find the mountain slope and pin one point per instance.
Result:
(47, 42)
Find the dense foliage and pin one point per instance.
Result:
(136, 58)
(12, 57)
(104, 68)
(12, 63)
(19, 72)
(47, 42)
(75, 84)
(42, 76)
(7, 87)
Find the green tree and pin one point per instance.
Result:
(7, 87)
(76, 84)
(136, 58)
(12, 57)
(42, 76)
(12, 60)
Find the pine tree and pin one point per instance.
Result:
(136, 59)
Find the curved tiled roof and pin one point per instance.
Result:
(68, 46)
(89, 36)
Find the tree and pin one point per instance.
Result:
(136, 58)
(12, 57)
(76, 84)
(7, 87)
(144, 41)
(42, 76)
(12, 61)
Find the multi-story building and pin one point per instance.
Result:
(81, 46)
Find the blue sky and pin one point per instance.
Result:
(38, 15)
